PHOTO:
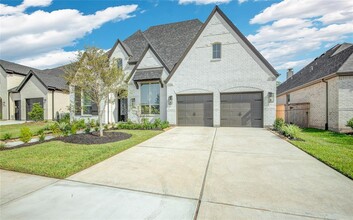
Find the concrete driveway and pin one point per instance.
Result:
(197, 172)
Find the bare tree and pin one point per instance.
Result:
(97, 76)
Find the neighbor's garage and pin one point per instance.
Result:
(195, 110)
(242, 109)
(30, 103)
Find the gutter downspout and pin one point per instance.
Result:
(326, 124)
(52, 105)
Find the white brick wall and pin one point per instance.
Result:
(345, 102)
(238, 70)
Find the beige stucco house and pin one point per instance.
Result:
(22, 86)
(320, 94)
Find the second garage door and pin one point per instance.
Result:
(241, 109)
(195, 110)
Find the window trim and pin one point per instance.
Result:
(82, 105)
(149, 104)
(220, 51)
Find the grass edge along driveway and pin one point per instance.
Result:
(60, 160)
(332, 148)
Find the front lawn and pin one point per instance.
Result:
(334, 149)
(14, 130)
(60, 160)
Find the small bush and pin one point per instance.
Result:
(88, 130)
(279, 123)
(73, 129)
(350, 123)
(65, 128)
(26, 134)
(164, 124)
(96, 128)
(65, 117)
(55, 129)
(42, 137)
(291, 131)
(2, 146)
(80, 124)
(6, 136)
(92, 123)
(37, 113)
(157, 123)
(106, 127)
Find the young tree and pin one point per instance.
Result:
(97, 76)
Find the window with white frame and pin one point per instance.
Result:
(83, 104)
(216, 50)
(150, 97)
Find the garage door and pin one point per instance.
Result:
(195, 110)
(29, 105)
(241, 110)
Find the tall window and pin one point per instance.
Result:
(83, 104)
(150, 98)
(119, 63)
(216, 50)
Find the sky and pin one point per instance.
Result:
(288, 33)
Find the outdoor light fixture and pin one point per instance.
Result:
(132, 102)
(170, 100)
(271, 97)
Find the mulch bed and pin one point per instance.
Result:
(94, 138)
(87, 139)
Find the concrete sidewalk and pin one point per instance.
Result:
(213, 173)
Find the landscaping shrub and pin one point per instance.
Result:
(2, 146)
(145, 125)
(96, 128)
(350, 123)
(106, 127)
(65, 117)
(93, 123)
(279, 124)
(55, 129)
(74, 128)
(80, 124)
(291, 131)
(157, 123)
(88, 130)
(164, 124)
(41, 137)
(6, 136)
(65, 128)
(37, 113)
(26, 134)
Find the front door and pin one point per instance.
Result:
(18, 110)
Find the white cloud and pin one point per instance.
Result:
(8, 10)
(49, 59)
(40, 33)
(203, 2)
(293, 28)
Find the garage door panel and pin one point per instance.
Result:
(241, 110)
(195, 110)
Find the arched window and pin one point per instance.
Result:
(216, 50)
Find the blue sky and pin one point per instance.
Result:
(289, 33)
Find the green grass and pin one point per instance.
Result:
(60, 160)
(334, 149)
(14, 130)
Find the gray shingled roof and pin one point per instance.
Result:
(11, 67)
(338, 59)
(169, 40)
(145, 74)
(52, 78)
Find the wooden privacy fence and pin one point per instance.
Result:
(295, 113)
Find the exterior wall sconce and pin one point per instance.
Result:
(271, 97)
(133, 102)
(170, 100)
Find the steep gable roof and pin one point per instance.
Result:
(236, 30)
(338, 59)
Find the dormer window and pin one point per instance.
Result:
(216, 50)
(119, 62)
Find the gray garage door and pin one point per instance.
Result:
(195, 110)
(29, 105)
(241, 110)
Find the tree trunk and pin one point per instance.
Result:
(100, 120)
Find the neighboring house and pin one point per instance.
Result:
(197, 74)
(325, 86)
(22, 86)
